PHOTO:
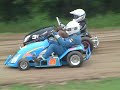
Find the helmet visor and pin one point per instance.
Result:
(76, 17)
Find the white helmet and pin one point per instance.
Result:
(79, 14)
(72, 27)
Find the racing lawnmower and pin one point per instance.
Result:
(23, 59)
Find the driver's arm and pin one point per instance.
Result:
(66, 42)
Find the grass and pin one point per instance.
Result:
(110, 20)
(107, 84)
(28, 25)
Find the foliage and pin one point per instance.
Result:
(12, 10)
(110, 20)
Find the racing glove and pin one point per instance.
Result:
(56, 35)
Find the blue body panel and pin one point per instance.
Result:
(26, 52)
(36, 48)
(57, 63)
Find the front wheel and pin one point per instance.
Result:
(86, 41)
(23, 65)
(74, 59)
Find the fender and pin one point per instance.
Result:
(79, 47)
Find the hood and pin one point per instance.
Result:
(34, 46)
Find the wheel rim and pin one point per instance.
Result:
(86, 44)
(23, 65)
(75, 60)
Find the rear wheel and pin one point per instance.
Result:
(23, 65)
(74, 59)
(86, 41)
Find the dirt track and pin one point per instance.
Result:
(104, 62)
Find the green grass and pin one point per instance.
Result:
(28, 25)
(22, 26)
(107, 84)
(110, 20)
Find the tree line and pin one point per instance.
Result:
(17, 9)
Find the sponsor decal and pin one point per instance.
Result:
(52, 61)
(28, 54)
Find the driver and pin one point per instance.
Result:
(79, 16)
(62, 44)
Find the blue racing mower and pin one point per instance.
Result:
(23, 59)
